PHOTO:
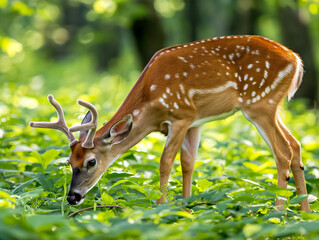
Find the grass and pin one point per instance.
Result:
(234, 184)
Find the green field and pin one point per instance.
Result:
(95, 50)
(234, 184)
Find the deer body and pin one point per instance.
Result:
(184, 86)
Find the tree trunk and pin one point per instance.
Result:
(192, 16)
(245, 17)
(148, 33)
(296, 36)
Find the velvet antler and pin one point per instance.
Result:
(91, 126)
(59, 125)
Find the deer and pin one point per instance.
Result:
(181, 88)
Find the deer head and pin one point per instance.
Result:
(92, 153)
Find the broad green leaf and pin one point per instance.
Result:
(106, 199)
(22, 186)
(48, 156)
(250, 229)
(274, 220)
(298, 199)
(204, 184)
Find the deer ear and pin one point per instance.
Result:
(119, 131)
(86, 119)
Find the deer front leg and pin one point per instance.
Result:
(188, 154)
(176, 134)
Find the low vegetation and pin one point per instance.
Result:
(234, 184)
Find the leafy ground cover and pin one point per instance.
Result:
(234, 184)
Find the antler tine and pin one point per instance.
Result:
(58, 125)
(91, 126)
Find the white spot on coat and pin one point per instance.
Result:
(267, 90)
(267, 64)
(153, 87)
(182, 88)
(167, 76)
(281, 75)
(183, 59)
(136, 112)
(163, 102)
(213, 90)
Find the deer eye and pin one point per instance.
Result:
(91, 163)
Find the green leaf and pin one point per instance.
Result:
(22, 186)
(106, 199)
(298, 199)
(45, 221)
(204, 184)
(48, 156)
(250, 229)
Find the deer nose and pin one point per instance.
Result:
(74, 198)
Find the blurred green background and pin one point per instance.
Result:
(95, 50)
(70, 43)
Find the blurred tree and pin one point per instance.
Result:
(102, 30)
(148, 32)
(192, 15)
(244, 17)
(296, 36)
(64, 35)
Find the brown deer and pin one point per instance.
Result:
(183, 87)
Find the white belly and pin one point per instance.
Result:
(201, 121)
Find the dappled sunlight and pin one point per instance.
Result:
(27, 102)
(95, 50)
(10, 46)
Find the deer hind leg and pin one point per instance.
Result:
(267, 125)
(297, 166)
(188, 154)
(176, 134)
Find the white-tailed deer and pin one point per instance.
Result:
(183, 87)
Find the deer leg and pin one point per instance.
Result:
(296, 165)
(267, 125)
(188, 154)
(176, 134)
